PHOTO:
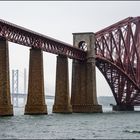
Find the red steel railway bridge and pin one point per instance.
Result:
(115, 51)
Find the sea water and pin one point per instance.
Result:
(106, 125)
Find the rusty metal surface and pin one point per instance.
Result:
(23, 36)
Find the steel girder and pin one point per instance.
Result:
(117, 54)
(118, 58)
(120, 83)
(23, 36)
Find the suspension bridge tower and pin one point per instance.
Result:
(15, 87)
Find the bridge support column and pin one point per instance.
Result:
(36, 98)
(6, 109)
(83, 96)
(122, 108)
(62, 100)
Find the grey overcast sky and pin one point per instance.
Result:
(59, 19)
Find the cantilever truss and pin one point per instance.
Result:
(117, 51)
(118, 58)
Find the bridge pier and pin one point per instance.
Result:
(83, 96)
(6, 108)
(36, 98)
(122, 108)
(62, 99)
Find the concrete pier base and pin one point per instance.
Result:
(6, 108)
(122, 108)
(62, 99)
(87, 108)
(36, 98)
(83, 97)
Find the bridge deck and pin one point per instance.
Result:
(23, 36)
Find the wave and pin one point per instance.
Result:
(132, 131)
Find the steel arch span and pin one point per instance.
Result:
(117, 51)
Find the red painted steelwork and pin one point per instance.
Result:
(118, 58)
(20, 35)
(117, 51)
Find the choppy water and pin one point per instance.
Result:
(107, 125)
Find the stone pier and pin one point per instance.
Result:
(6, 109)
(36, 98)
(83, 96)
(62, 100)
